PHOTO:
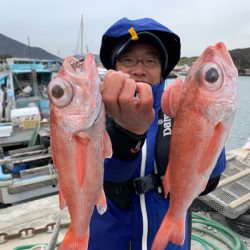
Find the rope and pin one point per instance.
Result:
(32, 245)
(217, 231)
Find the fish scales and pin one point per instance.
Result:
(203, 108)
(79, 145)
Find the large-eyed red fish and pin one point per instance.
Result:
(203, 107)
(79, 145)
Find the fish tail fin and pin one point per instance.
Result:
(72, 241)
(171, 229)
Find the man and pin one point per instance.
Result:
(141, 53)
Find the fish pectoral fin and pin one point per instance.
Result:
(171, 98)
(107, 146)
(212, 149)
(82, 148)
(101, 203)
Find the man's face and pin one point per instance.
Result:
(148, 71)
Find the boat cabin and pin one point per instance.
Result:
(24, 84)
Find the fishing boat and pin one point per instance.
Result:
(26, 82)
(25, 169)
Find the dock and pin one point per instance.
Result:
(34, 210)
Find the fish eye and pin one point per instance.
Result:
(57, 91)
(211, 76)
(60, 92)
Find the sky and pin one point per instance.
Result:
(54, 25)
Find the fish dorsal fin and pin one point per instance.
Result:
(171, 97)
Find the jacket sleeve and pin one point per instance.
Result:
(126, 153)
(215, 176)
(220, 165)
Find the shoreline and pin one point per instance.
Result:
(244, 74)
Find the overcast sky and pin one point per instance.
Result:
(54, 24)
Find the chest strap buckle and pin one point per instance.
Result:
(146, 183)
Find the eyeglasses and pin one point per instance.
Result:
(129, 61)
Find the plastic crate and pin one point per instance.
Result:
(28, 124)
(232, 196)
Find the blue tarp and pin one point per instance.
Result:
(23, 68)
(26, 68)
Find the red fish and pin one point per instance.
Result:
(79, 145)
(203, 107)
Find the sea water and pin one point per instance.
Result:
(240, 131)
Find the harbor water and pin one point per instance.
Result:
(240, 131)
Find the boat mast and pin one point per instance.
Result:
(81, 39)
(81, 36)
(30, 62)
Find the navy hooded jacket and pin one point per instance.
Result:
(137, 225)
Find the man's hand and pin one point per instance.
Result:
(128, 102)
